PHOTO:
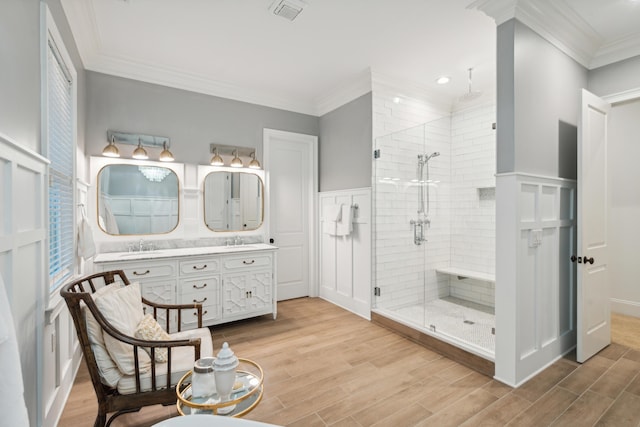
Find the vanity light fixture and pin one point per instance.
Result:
(254, 163)
(216, 160)
(236, 162)
(111, 150)
(140, 153)
(165, 154)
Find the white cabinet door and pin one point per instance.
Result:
(161, 292)
(246, 292)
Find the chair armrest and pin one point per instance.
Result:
(168, 308)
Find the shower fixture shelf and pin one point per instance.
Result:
(467, 274)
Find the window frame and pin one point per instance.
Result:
(51, 34)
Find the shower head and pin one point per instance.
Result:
(434, 154)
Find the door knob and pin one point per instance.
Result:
(588, 260)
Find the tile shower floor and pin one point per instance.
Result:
(466, 321)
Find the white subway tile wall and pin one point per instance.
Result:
(462, 222)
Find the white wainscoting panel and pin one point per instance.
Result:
(23, 251)
(535, 279)
(345, 261)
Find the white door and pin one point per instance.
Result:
(593, 305)
(291, 178)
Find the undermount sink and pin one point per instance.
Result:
(140, 254)
(239, 247)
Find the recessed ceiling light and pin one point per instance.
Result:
(443, 80)
(396, 100)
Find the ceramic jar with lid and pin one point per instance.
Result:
(224, 368)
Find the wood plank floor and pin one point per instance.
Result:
(325, 366)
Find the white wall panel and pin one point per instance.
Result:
(345, 261)
(535, 273)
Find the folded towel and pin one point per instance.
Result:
(330, 214)
(344, 226)
(12, 405)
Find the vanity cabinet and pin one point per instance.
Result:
(230, 286)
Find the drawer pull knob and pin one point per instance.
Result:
(141, 274)
(200, 287)
(245, 262)
(200, 301)
(200, 268)
(195, 313)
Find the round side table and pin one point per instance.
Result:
(245, 396)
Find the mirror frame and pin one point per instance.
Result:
(96, 164)
(218, 169)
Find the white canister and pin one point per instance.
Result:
(203, 382)
(224, 368)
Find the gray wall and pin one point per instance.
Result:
(615, 78)
(544, 92)
(20, 65)
(346, 146)
(623, 153)
(191, 120)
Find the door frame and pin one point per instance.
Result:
(312, 141)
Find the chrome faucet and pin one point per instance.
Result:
(237, 241)
(141, 246)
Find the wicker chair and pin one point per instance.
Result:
(79, 293)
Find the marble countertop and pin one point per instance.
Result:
(181, 252)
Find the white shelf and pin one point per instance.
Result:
(467, 274)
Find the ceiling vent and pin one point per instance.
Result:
(288, 9)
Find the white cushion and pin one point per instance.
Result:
(122, 308)
(109, 372)
(182, 360)
(149, 329)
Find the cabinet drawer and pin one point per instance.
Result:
(190, 317)
(199, 266)
(145, 270)
(203, 291)
(247, 261)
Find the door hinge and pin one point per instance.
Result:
(376, 154)
(376, 291)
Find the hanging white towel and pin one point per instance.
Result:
(110, 221)
(86, 245)
(344, 226)
(330, 215)
(12, 405)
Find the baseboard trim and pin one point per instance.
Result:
(628, 308)
(454, 353)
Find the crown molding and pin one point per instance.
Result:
(563, 27)
(617, 50)
(357, 87)
(554, 20)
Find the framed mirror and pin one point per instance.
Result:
(137, 199)
(233, 201)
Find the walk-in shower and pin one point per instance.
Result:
(434, 229)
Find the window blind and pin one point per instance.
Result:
(61, 154)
